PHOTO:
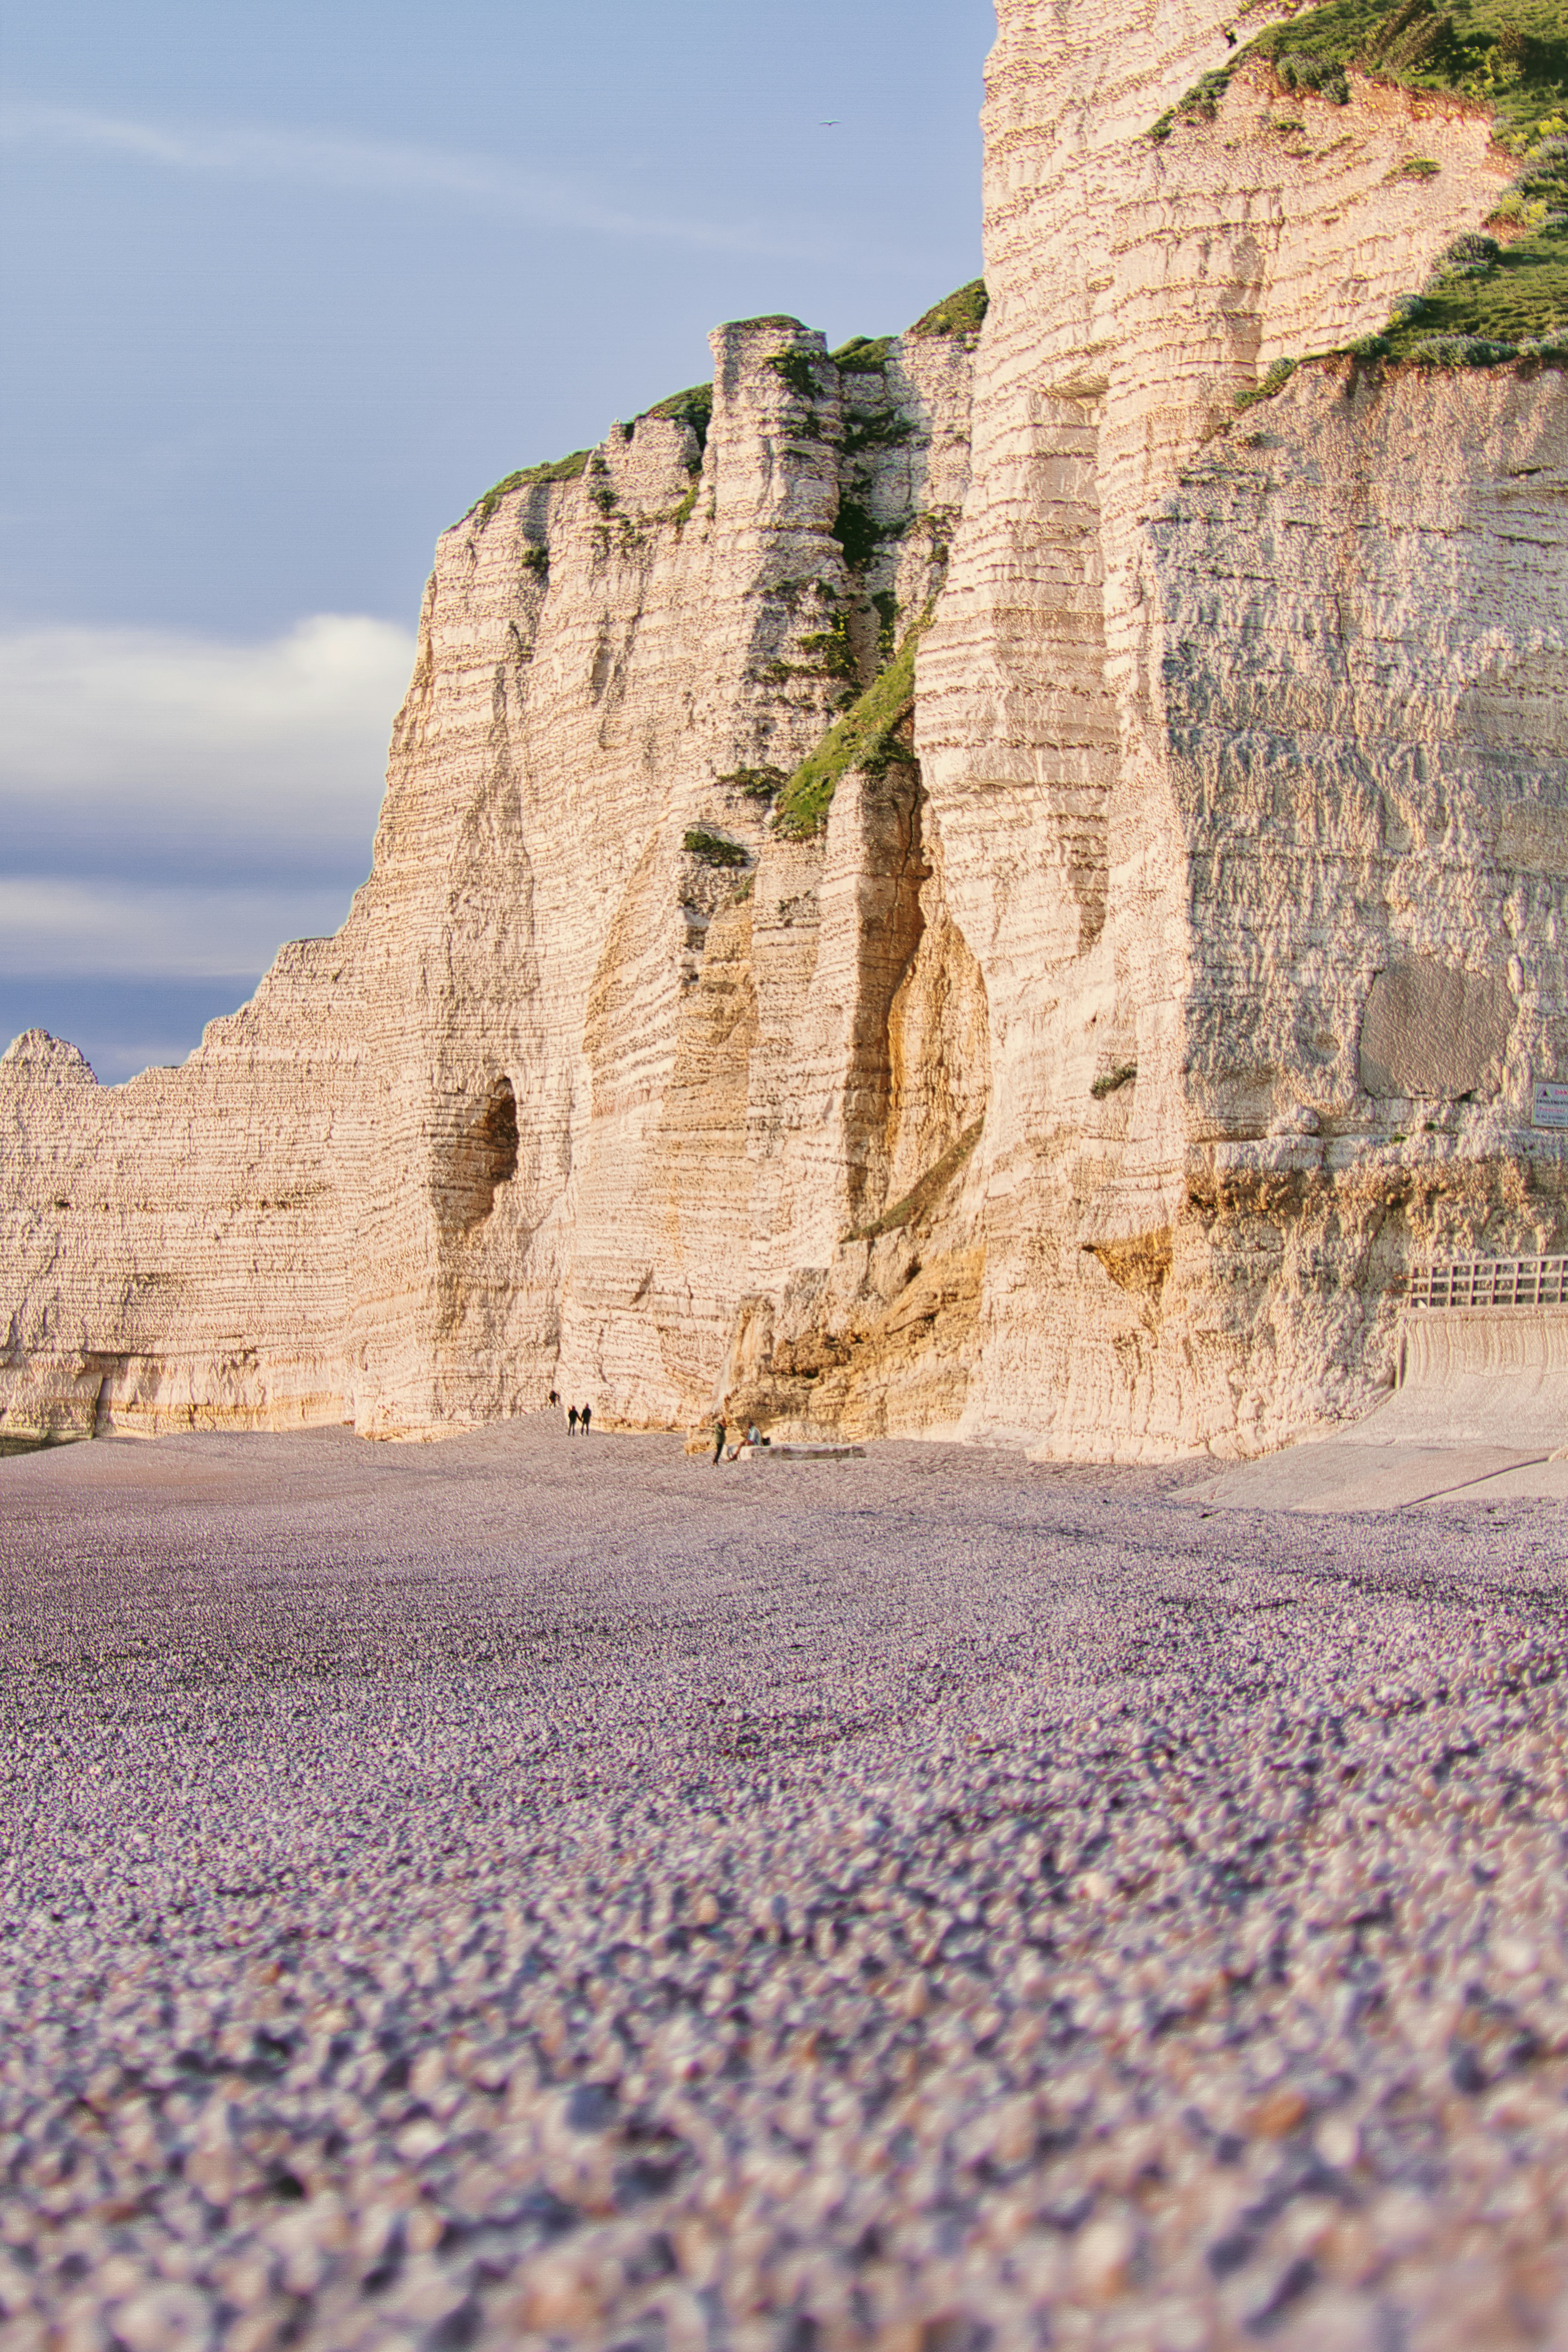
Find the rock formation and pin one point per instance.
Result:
(1077, 1045)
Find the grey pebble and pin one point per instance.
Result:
(508, 1894)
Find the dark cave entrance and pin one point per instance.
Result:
(485, 1158)
(499, 1132)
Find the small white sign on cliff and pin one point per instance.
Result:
(1550, 1103)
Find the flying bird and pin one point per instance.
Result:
(832, 125)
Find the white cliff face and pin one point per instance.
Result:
(175, 1246)
(1145, 1001)
(1203, 696)
(569, 1085)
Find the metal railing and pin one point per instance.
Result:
(1490, 1281)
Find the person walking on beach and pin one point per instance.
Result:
(586, 1415)
(571, 1421)
(719, 1434)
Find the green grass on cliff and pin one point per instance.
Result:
(693, 407)
(866, 738)
(1508, 56)
(863, 355)
(1490, 298)
(959, 313)
(713, 848)
(558, 469)
(1517, 305)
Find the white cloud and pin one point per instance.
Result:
(176, 805)
(52, 926)
(331, 160)
(125, 740)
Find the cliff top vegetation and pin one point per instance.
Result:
(694, 406)
(863, 355)
(555, 470)
(1508, 56)
(958, 313)
(1490, 298)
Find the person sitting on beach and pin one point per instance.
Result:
(754, 1436)
(586, 1416)
(571, 1421)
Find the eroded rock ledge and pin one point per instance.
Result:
(1079, 1052)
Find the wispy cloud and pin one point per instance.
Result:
(173, 807)
(53, 927)
(371, 165)
(157, 751)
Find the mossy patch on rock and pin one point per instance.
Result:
(1276, 379)
(877, 428)
(713, 848)
(831, 651)
(763, 783)
(557, 470)
(859, 533)
(799, 371)
(694, 406)
(958, 313)
(864, 738)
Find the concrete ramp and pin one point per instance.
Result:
(1488, 1376)
(1481, 1408)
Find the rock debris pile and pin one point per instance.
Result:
(513, 1894)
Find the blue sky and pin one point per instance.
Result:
(286, 287)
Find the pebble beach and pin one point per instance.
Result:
(522, 1893)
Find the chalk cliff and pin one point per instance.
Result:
(969, 884)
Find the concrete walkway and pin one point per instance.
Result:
(1341, 1474)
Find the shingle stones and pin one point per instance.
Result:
(514, 1894)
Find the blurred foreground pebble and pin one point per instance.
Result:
(511, 1895)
